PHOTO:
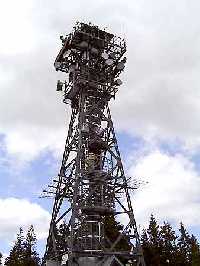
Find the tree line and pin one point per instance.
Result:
(162, 245)
(23, 252)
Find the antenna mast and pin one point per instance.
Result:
(91, 190)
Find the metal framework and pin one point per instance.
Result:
(91, 187)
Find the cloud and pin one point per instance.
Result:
(15, 27)
(173, 189)
(160, 95)
(159, 100)
(17, 213)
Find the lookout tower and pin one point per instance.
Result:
(91, 190)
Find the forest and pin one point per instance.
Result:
(162, 245)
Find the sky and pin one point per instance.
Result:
(156, 112)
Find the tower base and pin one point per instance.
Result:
(52, 263)
(92, 261)
(88, 261)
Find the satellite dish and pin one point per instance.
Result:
(120, 66)
(83, 44)
(118, 82)
(109, 62)
(112, 55)
(72, 68)
(104, 55)
(73, 50)
(57, 65)
(62, 38)
(94, 50)
(59, 85)
(66, 53)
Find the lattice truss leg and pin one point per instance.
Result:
(91, 191)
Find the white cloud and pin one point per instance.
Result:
(16, 27)
(26, 142)
(159, 99)
(173, 189)
(17, 213)
(160, 96)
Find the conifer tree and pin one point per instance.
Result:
(162, 247)
(155, 241)
(168, 239)
(152, 244)
(194, 251)
(183, 247)
(146, 247)
(31, 257)
(23, 252)
(63, 233)
(1, 258)
(112, 230)
(15, 257)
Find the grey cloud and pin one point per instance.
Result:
(160, 95)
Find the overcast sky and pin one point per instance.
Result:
(156, 112)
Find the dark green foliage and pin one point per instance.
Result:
(63, 237)
(162, 247)
(31, 257)
(183, 247)
(168, 243)
(195, 251)
(15, 257)
(112, 230)
(152, 244)
(23, 252)
(1, 258)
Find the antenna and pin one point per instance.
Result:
(91, 190)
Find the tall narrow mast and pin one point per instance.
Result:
(91, 191)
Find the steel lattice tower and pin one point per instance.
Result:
(91, 191)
